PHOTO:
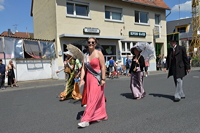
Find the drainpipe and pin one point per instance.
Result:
(168, 13)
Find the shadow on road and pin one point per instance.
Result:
(127, 95)
(163, 95)
(79, 115)
(75, 101)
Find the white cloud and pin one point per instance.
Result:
(1, 5)
(1, 1)
(1, 8)
(184, 7)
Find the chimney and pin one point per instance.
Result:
(9, 32)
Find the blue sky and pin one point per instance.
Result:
(15, 14)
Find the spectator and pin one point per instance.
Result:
(128, 64)
(2, 75)
(111, 66)
(11, 75)
(159, 62)
(189, 59)
(146, 67)
(164, 64)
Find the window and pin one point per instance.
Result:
(77, 9)
(126, 47)
(141, 17)
(123, 46)
(113, 13)
(157, 19)
(181, 29)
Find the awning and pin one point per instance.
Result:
(86, 36)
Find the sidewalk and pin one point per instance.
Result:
(55, 82)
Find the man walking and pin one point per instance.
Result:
(2, 75)
(178, 66)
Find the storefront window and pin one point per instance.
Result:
(128, 46)
(123, 46)
(109, 50)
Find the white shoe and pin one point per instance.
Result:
(84, 124)
(84, 105)
(146, 75)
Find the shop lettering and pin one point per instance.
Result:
(134, 33)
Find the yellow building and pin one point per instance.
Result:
(117, 24)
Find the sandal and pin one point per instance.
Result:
(16, 85)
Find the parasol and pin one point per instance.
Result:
(148, 51)
(77, 53)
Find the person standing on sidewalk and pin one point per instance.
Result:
(128, 65)
(111, 66)
(2, 74)
(11, 74)
(178, 66)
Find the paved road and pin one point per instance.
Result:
(35, 108)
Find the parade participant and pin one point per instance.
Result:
(178, 66)
(11, 75)
(136, 73)
(2, 75)
(69, 69)
(93, 76)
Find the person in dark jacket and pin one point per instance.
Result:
(2, 74)
(178, 66)
(136, 73)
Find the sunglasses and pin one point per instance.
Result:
(91, 42)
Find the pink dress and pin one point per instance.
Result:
(96, 106)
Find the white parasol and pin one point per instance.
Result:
(148, 51)
(77, 53)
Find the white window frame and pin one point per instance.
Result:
(126, 49)
(74, 12)
(139, 17)
(122, 20)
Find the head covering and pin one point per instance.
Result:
(173, 38)
(135, 47)
(68, 53)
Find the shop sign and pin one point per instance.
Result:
(91, 30)
(135, 33)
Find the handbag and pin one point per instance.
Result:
(9, 73)
(67, 70)
(135, 68)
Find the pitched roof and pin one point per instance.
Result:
(153, 3)
(18, 34)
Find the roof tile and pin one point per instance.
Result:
(157, 3)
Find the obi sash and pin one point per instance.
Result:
(96, 74)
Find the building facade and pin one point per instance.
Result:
(117, 24)
(183, 29)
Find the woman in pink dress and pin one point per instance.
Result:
(94, 70)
